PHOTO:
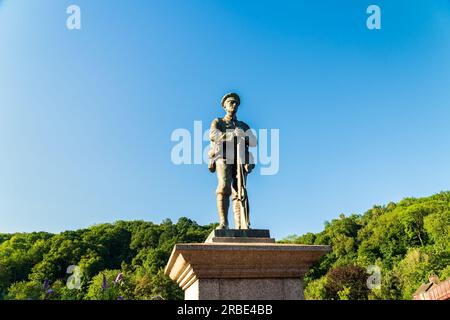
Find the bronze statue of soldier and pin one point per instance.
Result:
(231, 160)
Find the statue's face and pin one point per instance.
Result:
(230, 105)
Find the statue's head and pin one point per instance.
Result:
(230, 102)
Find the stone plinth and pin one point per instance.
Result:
(242, 271)
(240, 236)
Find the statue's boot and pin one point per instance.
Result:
(237, 214)
(223, 202)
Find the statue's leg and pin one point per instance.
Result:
(223, 202)
(223, 192)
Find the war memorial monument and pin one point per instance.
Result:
(240, 263)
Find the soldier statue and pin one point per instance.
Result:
(231, 160)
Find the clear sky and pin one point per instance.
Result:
(86, 116)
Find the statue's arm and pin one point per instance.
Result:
(216, 135)
(252, 140)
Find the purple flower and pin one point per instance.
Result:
(104, 284)
(48, 293)
(118, 278)
(46, 285)
(120, 298)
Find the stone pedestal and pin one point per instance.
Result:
(240, 236)
(242, 269)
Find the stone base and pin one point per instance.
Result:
(246, 289)
(240, 236)
(242, 271)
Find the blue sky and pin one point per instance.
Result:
(86, 116)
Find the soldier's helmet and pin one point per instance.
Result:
(231, 95)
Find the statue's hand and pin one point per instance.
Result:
(239, 133)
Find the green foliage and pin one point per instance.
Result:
(62, 292)
(412, 270)
(437, 226)
(103, 287)
(137, 249)
(316, 289)
(18, 254)
(346, 283)
(157, 287)
(23, 290)
(345, 293)
(409, 241)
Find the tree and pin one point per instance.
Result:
(104, 287)
(347, 281)
(24, 290)
(408, 240)
(315, 290)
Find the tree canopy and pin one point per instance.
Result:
(407, 242)
(404, 242)
(35, 265)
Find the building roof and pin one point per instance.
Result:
(433, 291)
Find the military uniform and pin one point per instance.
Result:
(226, 153)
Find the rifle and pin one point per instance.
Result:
(242, 189)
